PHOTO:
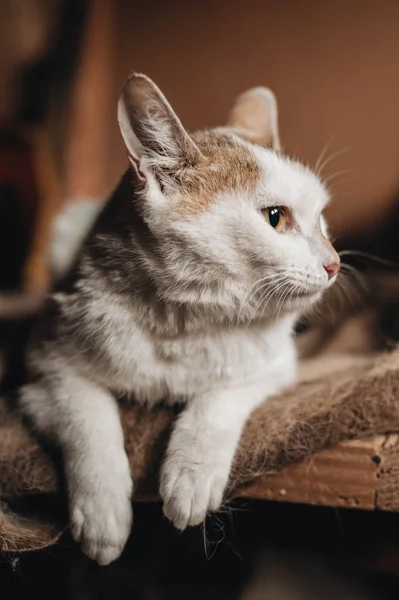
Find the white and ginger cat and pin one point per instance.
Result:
(186, 289)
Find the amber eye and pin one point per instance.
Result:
(276, 217)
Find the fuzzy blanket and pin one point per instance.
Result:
(338, 398)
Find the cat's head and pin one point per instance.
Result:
(239, 225)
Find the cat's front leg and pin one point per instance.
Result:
(83, 418)
(198, 460)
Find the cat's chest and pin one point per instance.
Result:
(219, 354)
(176, 367)
(128, 357)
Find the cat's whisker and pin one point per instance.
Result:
(322, 154)
(334, 176)
(280, 301)
(271, 293)
(260, 283)
(351, 271)
(336, 190)
(256, 307)
(278, 290)
(284, 295)
(256, 288)
(339, 186)
(264, 302)
(349, 280)
(349, 291)
(331, 158)
(317, 311)
(330, 309)
(371, 257)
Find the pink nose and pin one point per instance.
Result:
(332, 269)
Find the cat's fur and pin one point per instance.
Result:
(184, 292)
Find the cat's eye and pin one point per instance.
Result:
(276, 216)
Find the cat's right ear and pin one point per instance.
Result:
(255, 116)
(156, 141)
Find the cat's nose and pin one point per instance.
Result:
(332, 269)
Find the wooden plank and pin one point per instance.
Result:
(355, 474)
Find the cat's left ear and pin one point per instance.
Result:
(255, 115)
(156, 141)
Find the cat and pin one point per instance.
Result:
(186, 289)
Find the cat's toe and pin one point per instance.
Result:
(101, 552)
(102, 525)
(190, 492)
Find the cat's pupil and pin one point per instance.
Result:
(274, 216)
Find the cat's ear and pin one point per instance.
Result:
(255, 115)
(153, 135)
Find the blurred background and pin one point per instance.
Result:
(334, 67)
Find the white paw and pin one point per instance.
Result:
(191, 489)
(101, 519)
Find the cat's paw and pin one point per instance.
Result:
(101, 520)
(192, 489)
